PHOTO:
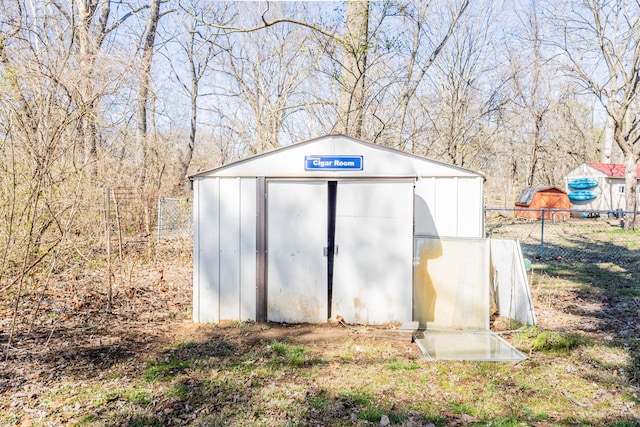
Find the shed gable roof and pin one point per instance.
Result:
(378, 161)
(616, 170)
(526, 196)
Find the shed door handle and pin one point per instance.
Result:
(325, 250)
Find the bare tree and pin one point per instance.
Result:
(532, 94)
(197, 44)
(39, 122)
(91, 21)
(463, 93)
(423, 48)
(264, 78)
(601, 41)
(351, 60)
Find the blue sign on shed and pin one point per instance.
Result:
(334, 163)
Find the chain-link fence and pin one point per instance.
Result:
(572, 235)
(175, 217)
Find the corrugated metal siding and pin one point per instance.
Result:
(248, 214)
(470, 212)
(449, 207)
(229, 208)
(224, 250)
(207, 227)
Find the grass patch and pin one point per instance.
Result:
(164, 370)
(625, 423)
(319, 401)
(106, 397)
(295, 355)
(402, 365)
(630, 292)
(186, 345)
(556, 342)
(436, 420)
(88, 420)
(368, 410)
(510, 420)
(138, 396)
(180, 390)
(550, 341)
(356, 398)
(463, 408)
(608, 357)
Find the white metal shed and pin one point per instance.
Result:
(321, 228)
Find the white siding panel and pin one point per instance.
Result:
(196, 251)
(209, 250)
(248, 212)
(470, 206)
(424, 205)
(229, 249)
(446, 206)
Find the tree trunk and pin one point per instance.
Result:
(630, 189)
(608, 140)
(185, 159)
(87, 56)
(533, 166)
(352, 91)
(142, 98)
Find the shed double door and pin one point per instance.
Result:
(370, 224)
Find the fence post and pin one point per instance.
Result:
(107, 232)
(542, 234)
(159, 218)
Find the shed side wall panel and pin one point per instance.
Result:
(615, 199)
(449, 207)
(209, 250)
(424, 202)
(446, 206)
(470, 215)
(229, 248)
(248, 213)
(196, 251)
